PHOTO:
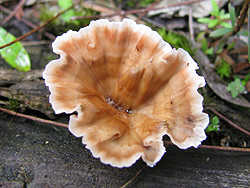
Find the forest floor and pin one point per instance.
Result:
(37, 154)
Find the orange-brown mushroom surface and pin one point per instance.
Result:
(126, 88)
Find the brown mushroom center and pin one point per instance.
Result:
(116, 106)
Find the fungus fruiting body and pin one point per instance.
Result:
(126, 88)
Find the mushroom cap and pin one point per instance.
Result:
(127, 89)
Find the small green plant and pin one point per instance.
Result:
(236, 87)
(246, 79)
(47, 12)
(142, 3)
(204, 43)
(146, 2)
(131, 3)
(176, 40)
(223, 69)
(65, 21)
(14, 103)
(213, 125)
(219, 18)
(64, 4)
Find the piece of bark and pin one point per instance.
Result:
(37, 155)
(26, 87)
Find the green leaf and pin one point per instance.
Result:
(130, 3)
(223, 69)
(225, 24)
(244, 82)
(220, 32)
(215, 6)
(15, 54)
(213, 23)
(232, 14)
(235, 87)
(234, 93)
(224, 16)
(64, 4)
(204, 44)
(243, 33)
(213, 126)
(209, 51)
(246, 79)
(231, 45)
(146, 2)
(68, 15)
(215, 120)
(219, 46)
(204, 20)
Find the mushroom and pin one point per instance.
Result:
(125, 88)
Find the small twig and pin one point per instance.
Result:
(113, 4)
(2, 8)
(215, 147)
(248, 25)
(151, 6)
(168, 6)
(91, 17)
(137, 11)
(33, 26)
(34, 43)
(241, 17)
(116, 9)
(20, 4)
(33, 118)
(190, 23)
(224, 148)
(137, 174)
(36, 29)
(230, 122)
(27, 22)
